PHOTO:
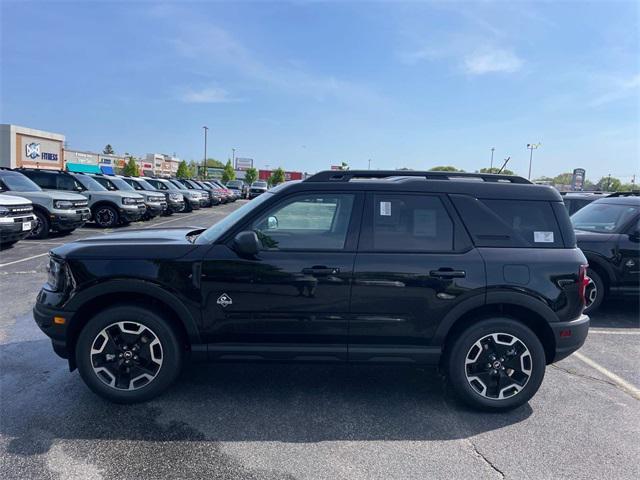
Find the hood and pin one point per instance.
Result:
(583, 236)
(11, 200)
(148, 243)
(47, 195)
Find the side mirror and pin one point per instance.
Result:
(246, 243)
(272, 223)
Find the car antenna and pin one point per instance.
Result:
(506, 160)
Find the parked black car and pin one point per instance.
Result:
(608, 232)
(477, 273)
(574, 201)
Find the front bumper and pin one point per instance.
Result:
(194, 204)
(155, 209)
(175, 206)
(133, 213)
(69, 219)
(44, 315)
(16, 228)
(569, 336)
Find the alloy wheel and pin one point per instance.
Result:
(37, 229)
(590, 293)
(126, 355)
(498, 366)
(105, 217)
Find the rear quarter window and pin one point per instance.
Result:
(509, 223)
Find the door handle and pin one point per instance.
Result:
(321, 270)
(448, 273)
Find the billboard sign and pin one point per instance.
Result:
(577, 179)
(244, 163)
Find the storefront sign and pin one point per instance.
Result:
(36, 150)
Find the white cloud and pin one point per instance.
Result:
(619, 90)
(207, 95)
(492, 61)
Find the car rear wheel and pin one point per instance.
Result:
(496, 364)
(106, 216)
(41, 227)
(128, 354)
(594, 292)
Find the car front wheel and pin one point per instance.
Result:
(106, 216)
(128, 354)
(496, 364)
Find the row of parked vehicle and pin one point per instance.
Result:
(35, 202)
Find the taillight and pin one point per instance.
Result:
(583, 281)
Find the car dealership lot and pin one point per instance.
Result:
(307, 421)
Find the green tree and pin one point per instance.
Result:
(609, 184)
(628, 187)
(277, 176)
(447, 168)
(212, 162)
(183, 170)
(108, 149)
(563, 179)
(506, 171)
(193, 169)
(131, 168)
(228, 173)
(250, 175)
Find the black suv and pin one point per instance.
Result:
(608, 232)
(479, 274)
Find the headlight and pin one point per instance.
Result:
(129, 201)
(55, 270)
(4, 211)
(176, 196)
(62, 204)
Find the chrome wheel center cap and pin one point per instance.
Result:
(496, 364)
(128, 354)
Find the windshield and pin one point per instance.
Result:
(214, 232)
(194, 184)
(19, 183)
(120, 183)
(180, 183)
(88, 182)
(234, 184)
(259, 184)
(140, 184)
(603, 217)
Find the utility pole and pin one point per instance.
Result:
(491, 166)
(204, 160)
(369, 164)
(532, 147)
(233, 157)
(608, 182)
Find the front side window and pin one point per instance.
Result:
(20, 183)
(89, 183)
(603, 217)
(307, 222)
(407, 223)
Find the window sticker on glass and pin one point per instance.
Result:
(424, 223)
(543, 237)
(385, 209)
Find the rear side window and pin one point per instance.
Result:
(406, 223)
(509, 223)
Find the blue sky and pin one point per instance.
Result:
(305, 85)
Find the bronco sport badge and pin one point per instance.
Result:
(224, 300)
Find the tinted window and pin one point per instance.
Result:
(19, 183)
(532, 221)
(67, 182)
(89, 183)
(43, 179)
(603, 217)
(406, 223)
(309, 222)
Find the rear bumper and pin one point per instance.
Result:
(569, 336)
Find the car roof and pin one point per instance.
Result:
(621, 200)
(487, 186)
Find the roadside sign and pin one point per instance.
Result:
(244, 163)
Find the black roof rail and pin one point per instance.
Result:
(632, 193)
(347, 175)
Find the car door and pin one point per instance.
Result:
(291, 300)
(629, 251)
(414, 263)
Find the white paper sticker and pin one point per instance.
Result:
(543, 237)
(385, 209)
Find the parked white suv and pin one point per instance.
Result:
(16, 219)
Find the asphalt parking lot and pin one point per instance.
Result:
(307, 422)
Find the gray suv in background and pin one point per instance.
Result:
(154, 201)
(108, 209)
(191, 197)
(175, 200)
(54, 211)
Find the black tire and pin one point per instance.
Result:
(4, 245)
(106, 216)
(170, 353)
(41, 229)
(187, 207)
(507, 376)
(595, 292)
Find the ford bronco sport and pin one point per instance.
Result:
(476, 273)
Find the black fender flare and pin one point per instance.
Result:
(492, 298)
(603, 264)
(142, 287)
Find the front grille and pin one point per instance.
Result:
(80, 203)
(18, 210)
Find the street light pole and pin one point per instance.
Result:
(491, 166)
(204, 160)
(233, 157)
(532, 147)
(369, 164)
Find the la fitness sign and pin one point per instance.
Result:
(38, 150)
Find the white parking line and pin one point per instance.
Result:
(619, 382)
(23, 259)
(633, 331)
